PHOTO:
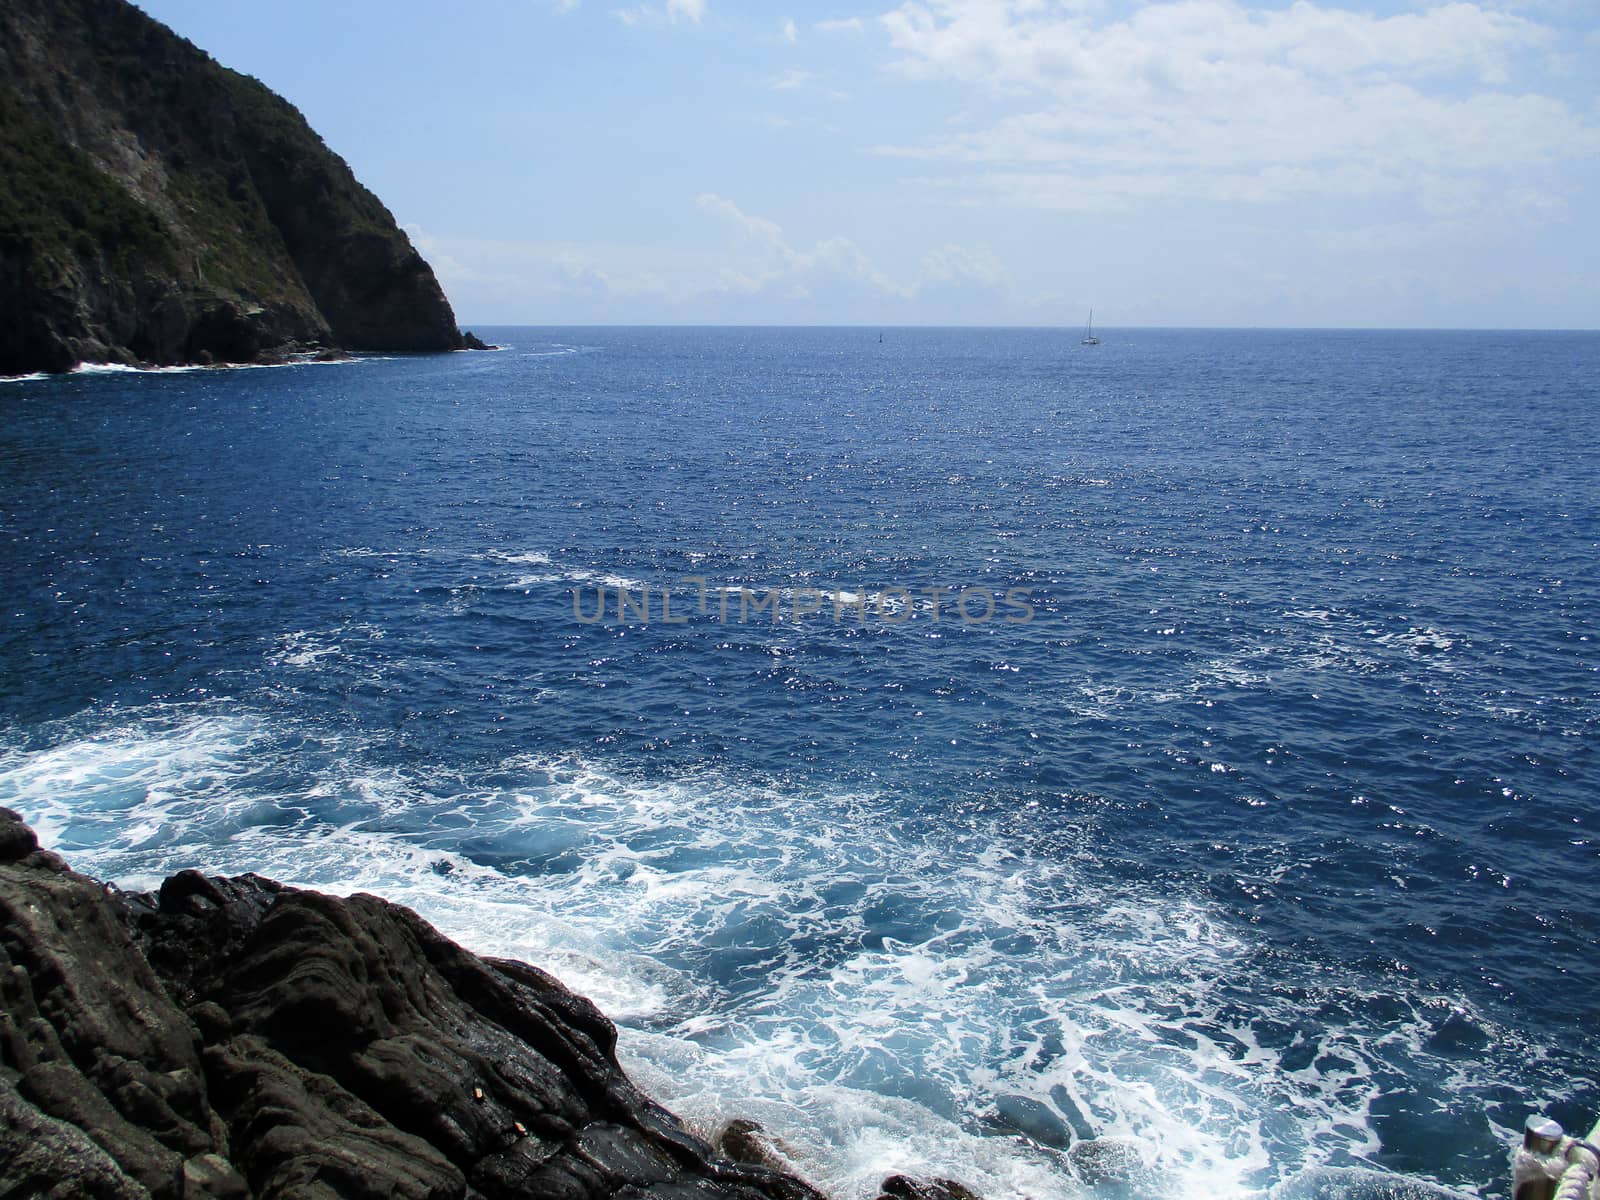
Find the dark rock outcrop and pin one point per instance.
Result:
(241, 1040)
(157, 207)
(747, 1141)
(236, 1038)
(903, 1187)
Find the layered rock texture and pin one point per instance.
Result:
(237, 1038)
(156, 207)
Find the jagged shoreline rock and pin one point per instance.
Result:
(243, 1040)
(157, 208)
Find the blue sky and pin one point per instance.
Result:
(1170, 162)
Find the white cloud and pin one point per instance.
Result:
(768, 262)
(790, 80)
(1210, 100)
(1195, 45)
(766, 259)
(746, 258)
(956, 263)
(674, 11)
(1263, 161)
(793, 79)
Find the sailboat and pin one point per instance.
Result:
(1089, 338)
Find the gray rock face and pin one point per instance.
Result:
(240, 1040)
(157, 207)
(235, 1038)
(91, 1045)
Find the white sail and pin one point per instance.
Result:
(1089, 338)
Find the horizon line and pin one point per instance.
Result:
(867, 325)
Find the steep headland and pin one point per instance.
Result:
(235, 1038)
(158, 207)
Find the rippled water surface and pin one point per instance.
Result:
(1268, 841)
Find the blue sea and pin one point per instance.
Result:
(942, 746)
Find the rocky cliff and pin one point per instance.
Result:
(234, 1038)
(157, 207)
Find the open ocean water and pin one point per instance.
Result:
(1267, 841)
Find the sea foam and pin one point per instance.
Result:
(883, 993)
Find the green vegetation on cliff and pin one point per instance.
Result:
(55, 202)
(158, 207)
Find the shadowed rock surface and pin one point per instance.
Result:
(903, 1187)
(157, 207)
(237, 1038)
